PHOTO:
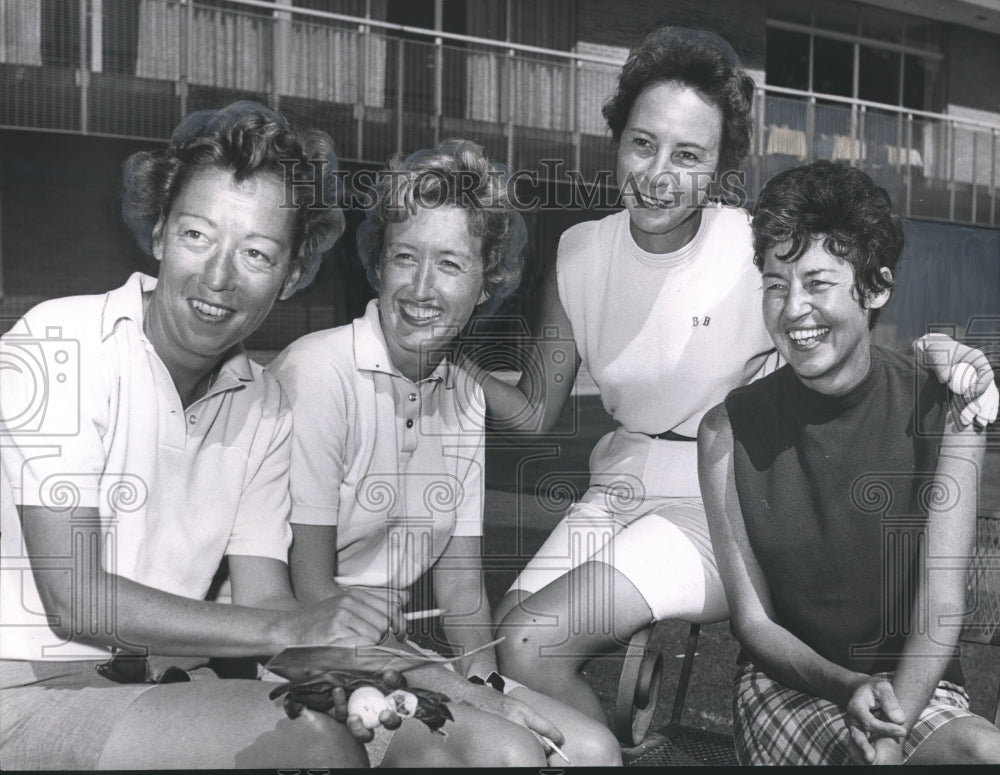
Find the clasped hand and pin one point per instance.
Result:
(875, 723)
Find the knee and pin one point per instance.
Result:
(313, 739)
(596, 747)
(334, 743)
(520, 651)
(506, 745)
(983, 748)
(516, 747)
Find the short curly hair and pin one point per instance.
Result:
(247, 138)
(702, 60)
(843, 206)
(456, 173)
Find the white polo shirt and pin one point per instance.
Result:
(176, 489)
(396, 466)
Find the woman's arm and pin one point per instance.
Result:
(312, 562)
(773, 649)
(939, 606)
(313, 566)
(95, 606)
(536, 402)
(460, 590)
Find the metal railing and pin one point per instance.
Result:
(133, 70)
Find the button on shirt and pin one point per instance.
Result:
(396, 466)
(175, 490)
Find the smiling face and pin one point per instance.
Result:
(431, 279)
(667, 155)
(224, 251)
(814, 317)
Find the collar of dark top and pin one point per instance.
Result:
(670, 436)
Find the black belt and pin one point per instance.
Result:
(670, 436)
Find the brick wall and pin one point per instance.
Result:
(741, 22)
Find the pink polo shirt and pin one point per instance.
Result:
(176, 489)
(396, 466)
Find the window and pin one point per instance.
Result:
(787, 59)
(61, 33)
(878, 75)
(848, 50)
(833, 67)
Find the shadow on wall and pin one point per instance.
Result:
(948, 281)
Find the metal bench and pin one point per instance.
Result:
(982, 622)
(638, 690)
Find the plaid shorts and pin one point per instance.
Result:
(775, 725)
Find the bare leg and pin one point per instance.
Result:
(509, 601)
(591, 610)
(589, 743)
(966, 740)
(475, 739)
(225, 724)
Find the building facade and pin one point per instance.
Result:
(908, 90)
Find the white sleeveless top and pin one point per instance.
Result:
(664, 336)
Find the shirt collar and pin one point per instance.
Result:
(235, 369)
(371, 353)
(126, 303)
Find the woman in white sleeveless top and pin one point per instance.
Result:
(662, 303)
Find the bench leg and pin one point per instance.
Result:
(638, 689)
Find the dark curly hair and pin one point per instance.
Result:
(456, 173)
(839, 204)
(246, 138)
(701, 60)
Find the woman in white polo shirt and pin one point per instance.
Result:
(388, 450)
(155, 449)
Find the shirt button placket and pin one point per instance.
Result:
(412, 410)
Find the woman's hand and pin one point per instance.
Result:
(352, 617)
(499, 704)
(387, 718)
(967, 373)
(873, 711)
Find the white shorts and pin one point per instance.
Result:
(662, 547)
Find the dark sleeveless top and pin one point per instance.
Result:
(834, 493)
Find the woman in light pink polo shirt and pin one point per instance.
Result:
(156, 449)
